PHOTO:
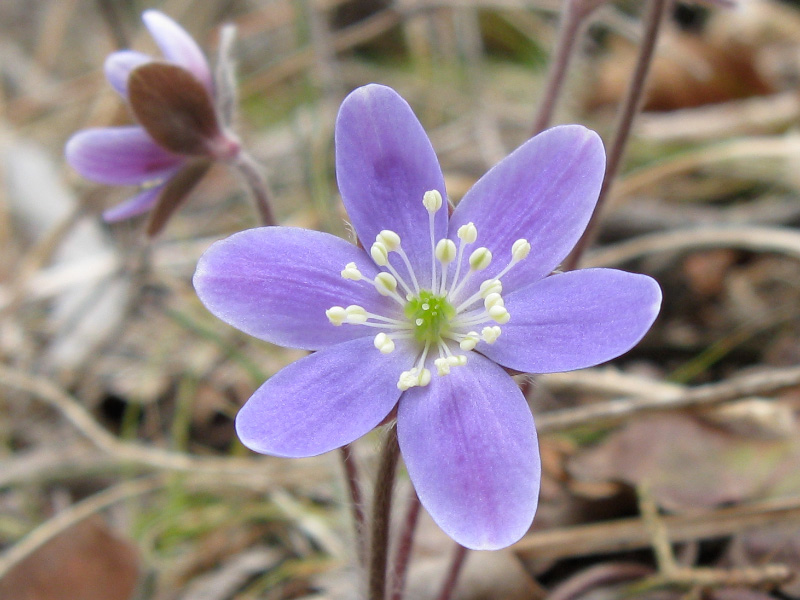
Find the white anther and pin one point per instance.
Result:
(380, 254)
(480, 259)
(388, 238)
(470, 341)
(445, 251)
(384, 343)
(468, 233)
(432, 201)
(442, 366)
(457, 360)
(386, 284)
(356, 315)
(493, 299)
(520, 250)
(499, 314)
(419, 321)
(336, 315)
(490, 334)
(351, 272)
(413, 378)
(491, 286)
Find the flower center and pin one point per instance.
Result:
(430, 315)
(436, 320)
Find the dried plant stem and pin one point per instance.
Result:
(630, 107)
(381, 515)
(251, 171)
(356, 501)
(404, 545)
(573, 18)
(597, 576)
(449, 585)
(73, 515)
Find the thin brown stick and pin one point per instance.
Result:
(404, 546)
(766, 382)
(631, 534)
(251, 172)
(630, 107)
(356, 501)
(381, 515)
(456, 563)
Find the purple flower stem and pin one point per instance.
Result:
(381, 515)
(404, 546)
(251, 171)
(449, 585)
(569, 32)
(356, 500)
(631, 104)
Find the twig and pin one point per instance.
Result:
(75, 514)
(630, 534)
(756, 384)
(630, 107)
(381, 515)
(593, 577)
(456, 563)
(754, 239)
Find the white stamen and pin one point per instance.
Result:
(356, 315)
(351, 272)
(468, 233)
(386, 285)
(490, 334)
(470, 341)
(336, 315)
(445, 251)
(520, 250)
(413, 378)
(384, 343)
(499, 314)
(480, 259)
(442, 366)
(380, 254)
(388, 238)
(432, 200)
(491, 286)
(457, 360)
(493, 299)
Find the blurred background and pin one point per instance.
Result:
(120, 475)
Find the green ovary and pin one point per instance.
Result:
(430, 315)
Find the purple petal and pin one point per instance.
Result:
(575, 320)
(276, 283)
(545, 192)
(469, 443)
(119, 156)
(322, 401)
(384, 165)
(139, 204)
(119, 65)
(177, 45)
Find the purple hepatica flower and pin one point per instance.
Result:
(179, 133)
(432, 314)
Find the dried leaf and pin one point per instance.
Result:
(175, 193)
(86, 562)
(174, 107)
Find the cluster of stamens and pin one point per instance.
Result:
(435, 318)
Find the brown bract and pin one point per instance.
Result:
(175, 109)
(175, 192)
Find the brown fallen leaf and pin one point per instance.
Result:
(86, 562)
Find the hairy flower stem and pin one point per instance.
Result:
(251, 171)
(631, 104)
(381, 515)
(573, 19)
(404, 546)
(449, 585)
(356, 501)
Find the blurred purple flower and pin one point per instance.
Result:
(432, 313)
(180, 129)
